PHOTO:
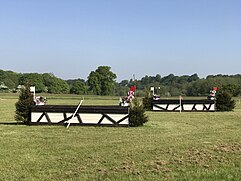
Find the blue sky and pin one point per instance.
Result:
(71, 38)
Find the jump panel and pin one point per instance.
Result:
(86, 115)
(186, 105)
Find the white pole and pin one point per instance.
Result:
(180, 102)
(153, 90)
(75, 112)
(32, 89)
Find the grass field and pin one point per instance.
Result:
(171, 146)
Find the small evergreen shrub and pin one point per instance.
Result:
(137, 115)
(23, 106)
(224, 102)
(147, 103)
(147, 100)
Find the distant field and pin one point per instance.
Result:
(171, 146)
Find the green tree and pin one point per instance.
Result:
(192, 78)
(58, 86)
(137, 116)
(233, 89)
(124, 83)
(34, 79)
(23, 106)
(147, 100)
(102, 81)
(9, 78)
(55, 85)
(224, 101)
(78, 87)
(198, 87)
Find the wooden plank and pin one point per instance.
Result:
(82, 109)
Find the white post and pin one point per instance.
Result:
(153, 90)
(32, 89)
(75, 112)
(180, 102)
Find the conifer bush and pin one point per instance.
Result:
(23, 105)
(147, 100)
(224, 102)
(137, 116)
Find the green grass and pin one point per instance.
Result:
(171, 146)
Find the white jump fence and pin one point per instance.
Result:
(84, 116)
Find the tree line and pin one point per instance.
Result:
(102, 81)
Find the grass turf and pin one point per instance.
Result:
(171, 146)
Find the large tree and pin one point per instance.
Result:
(34, 79)
(78, 87)
(9, 78)
(102, 81)
(55, 85)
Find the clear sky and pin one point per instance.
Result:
(71, 38)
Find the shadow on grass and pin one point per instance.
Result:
(12, 123)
